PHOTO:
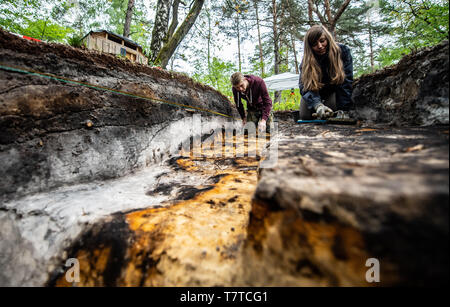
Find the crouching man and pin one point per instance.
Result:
(259, 105)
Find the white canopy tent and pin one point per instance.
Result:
(281, 82)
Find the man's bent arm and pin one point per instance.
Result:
(239, 105)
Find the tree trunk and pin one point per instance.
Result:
(129, 15)
(261, 58)
(283, 29)
(239, 40)
(337, 16)
(310, 13)
(168, 50)
(291, 40)
(160, 28)
(327, 21)
(209, 40)
(295, 54)
(372, 64)
(287, 56)
(314, 9)
(276, 48)
(174, 23)
(326, 4)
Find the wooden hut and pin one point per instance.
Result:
(109, 42)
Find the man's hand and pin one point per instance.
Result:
(262, 125)
(244, 121)
(322, 112)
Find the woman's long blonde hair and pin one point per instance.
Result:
(311, 72)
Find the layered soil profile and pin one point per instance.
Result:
(412, 92)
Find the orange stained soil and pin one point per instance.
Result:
(190, 242)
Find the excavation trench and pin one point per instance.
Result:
(195, 238)
(336, 197)
(96, 175)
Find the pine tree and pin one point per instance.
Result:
(328, 17)
(235, 24)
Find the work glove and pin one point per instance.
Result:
(341, 114)
(322, 112)
(262, 125)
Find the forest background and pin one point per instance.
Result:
(209, 40)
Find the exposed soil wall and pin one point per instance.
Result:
(72, 155)
(55, 133)
(341, 195)
(412, 92)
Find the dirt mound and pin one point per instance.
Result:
(91, 57)
(86, 121)
(413, 92)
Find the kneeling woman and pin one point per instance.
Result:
(326, 75)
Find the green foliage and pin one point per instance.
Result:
(75, 41)
(268, 58)
(140, 29)
(15, 15)
(46, 30)
(39, 19)
(399, 27)
(283, 67)
(231, 7)
(116, 13)
(122, 57)
(57, 21)
(217, 77)
(358, 26)
(289, 101)
(417, 24)
(390, 55)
